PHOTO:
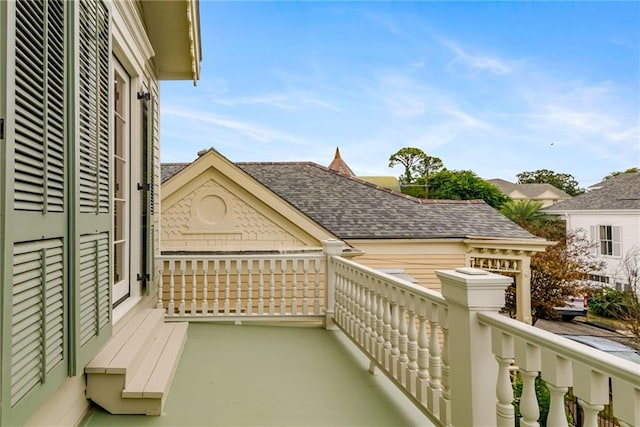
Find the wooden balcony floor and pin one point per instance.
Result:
(258, 375)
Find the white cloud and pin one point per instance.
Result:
(477, 62)
(251, 130)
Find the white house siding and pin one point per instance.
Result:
(627, 220)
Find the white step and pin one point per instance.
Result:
(132, 374)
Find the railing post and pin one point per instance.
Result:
(472, 366)
(331, 248)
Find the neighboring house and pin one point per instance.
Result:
(79, 156)
(610, 214)
(214, 205)
(545, 193)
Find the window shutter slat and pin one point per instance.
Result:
(38, 299)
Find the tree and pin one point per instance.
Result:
(562, 181)
(464, 185)
(426, 167)
(410, 158)
(614, 174)
(418, 166)
(629, 271)
(523, 212)
(557, 273)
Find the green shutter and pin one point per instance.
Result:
(34, 355)
(148, 199)
(93, 213)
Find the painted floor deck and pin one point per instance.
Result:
(258, 375)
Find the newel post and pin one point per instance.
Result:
(472, 365)
(331, 248)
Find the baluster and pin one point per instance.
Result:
(350, 303)
(239, 287)
(272, 287)
(592, 390)
(367, 320)
(194, 285)
(305, 286)
(403, 340)
(386, 331)
(503, 350)
(283, 287)
(316, 287)
(183, 286)
(528, 359)
(357, 309)
(216, 287)
(172, 306)
(160, 304)
(445, 396)
(364, 322)
(590, 413)
(249, 310)
(380, 324)
(227, 285)
(294, 287)
(395, 323)
(261, 287)
(423, 354)
(433, 392)
(373, 321)
(412, 348)
(557, 415)
(528, 401)
(558, 376)
(205, 286)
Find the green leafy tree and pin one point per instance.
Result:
(418, 166)
(563, 181)
(614, 174)
(464, 185)
(410, 158)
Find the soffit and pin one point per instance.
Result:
(174, 30)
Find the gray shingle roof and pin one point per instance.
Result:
(168, 170)
(621, 192)
(353, 209)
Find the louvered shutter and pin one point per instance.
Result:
(616, 232)
(34, 353)
(93, 213)
(148, 199)
(595, 239)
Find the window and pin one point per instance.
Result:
(598, 278)
(607, 239)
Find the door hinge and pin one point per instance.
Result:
(1, 128)
(145, 186)
(140, 277)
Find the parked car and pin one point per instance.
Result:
(608, 346)
(575, 306)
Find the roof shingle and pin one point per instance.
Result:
(620, 192)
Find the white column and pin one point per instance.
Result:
(331, 248)
(472, 367)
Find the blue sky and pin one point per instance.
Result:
(497, 88)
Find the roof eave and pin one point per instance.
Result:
(174, 30)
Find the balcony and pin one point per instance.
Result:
(451, 357)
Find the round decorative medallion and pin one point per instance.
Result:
(211, 210)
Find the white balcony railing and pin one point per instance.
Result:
(229, 287)
(452, 354)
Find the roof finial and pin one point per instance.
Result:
(337, 156)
